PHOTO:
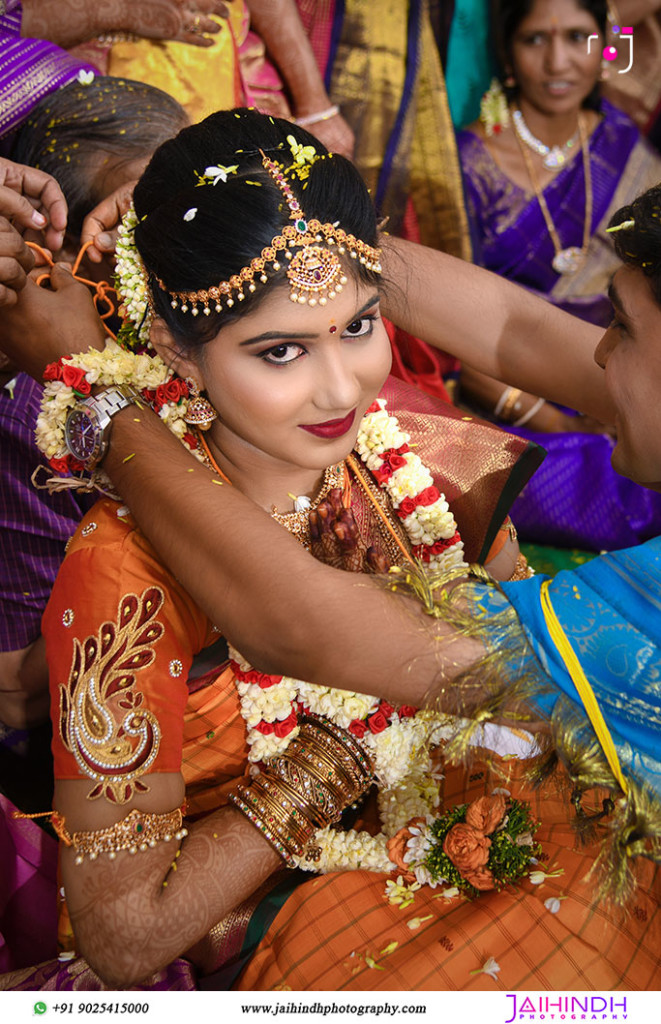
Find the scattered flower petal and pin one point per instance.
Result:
(491, 967)
(448, 894)
(190, 214)
(415, 922)
(85, 77)
(537, 877)
(219, 173)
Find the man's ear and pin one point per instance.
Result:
(167, 348)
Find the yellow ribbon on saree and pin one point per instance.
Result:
(582, 684)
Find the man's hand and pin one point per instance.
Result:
(31, 199)
(100, 226)
(44, 324)
(16, 261)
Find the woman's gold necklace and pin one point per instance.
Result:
(565, 261)
(297, 522)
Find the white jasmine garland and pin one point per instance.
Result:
(131, 277)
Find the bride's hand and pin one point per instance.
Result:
(336, 540)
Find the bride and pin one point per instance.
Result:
(250, 265)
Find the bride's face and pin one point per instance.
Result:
(291, 382)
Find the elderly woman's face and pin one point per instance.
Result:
(630, 353)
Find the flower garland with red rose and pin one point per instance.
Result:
(425, 514)
(70, 379)
(399, 739)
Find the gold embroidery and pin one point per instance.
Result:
(103, 723)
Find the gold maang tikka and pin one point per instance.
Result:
(315, 272)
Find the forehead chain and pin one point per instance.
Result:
(313, 253)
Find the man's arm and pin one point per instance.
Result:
(495, 326)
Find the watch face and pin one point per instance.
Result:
(82, 434)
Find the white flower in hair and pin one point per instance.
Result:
(216, 174)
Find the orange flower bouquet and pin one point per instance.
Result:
(476, 847)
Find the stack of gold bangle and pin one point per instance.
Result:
(323, 770)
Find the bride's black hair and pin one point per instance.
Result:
(234, 219)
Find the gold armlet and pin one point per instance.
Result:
(323, 770)
(138, 831)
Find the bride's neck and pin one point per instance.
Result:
(265, 480)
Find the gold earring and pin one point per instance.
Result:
(200, 412)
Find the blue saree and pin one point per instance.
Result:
(582, 651)
(610, 612)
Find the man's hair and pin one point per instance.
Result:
(639, 244)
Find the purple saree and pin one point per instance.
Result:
(576, 499)
(29, 70)
(508, 230)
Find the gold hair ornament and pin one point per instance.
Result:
(315, 272)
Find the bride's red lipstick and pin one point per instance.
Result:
(331, 428)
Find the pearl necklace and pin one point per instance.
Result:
(555, 157)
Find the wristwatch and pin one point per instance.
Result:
(87, 426)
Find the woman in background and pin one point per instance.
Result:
(544, 170)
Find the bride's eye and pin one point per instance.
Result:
(282, 354)
(364, 325)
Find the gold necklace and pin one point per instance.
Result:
(297, 522)
(565, 261)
